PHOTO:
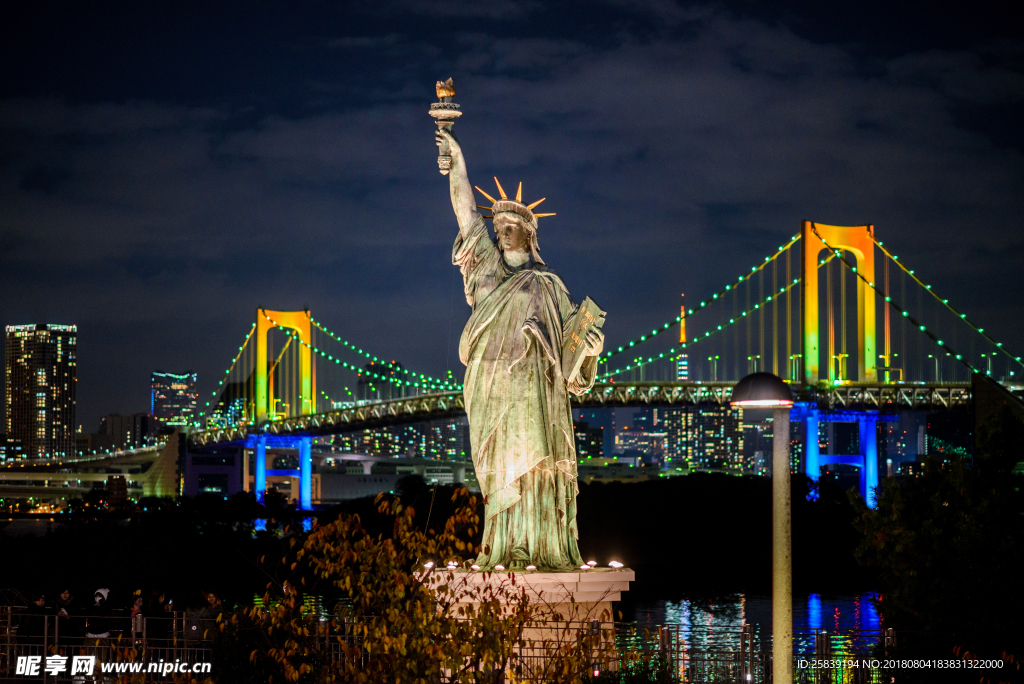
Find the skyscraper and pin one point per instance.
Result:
(173, 398)
(128, 432)
(718, 437)
(705, 436)
(603, 419)
(680, 436)
(41, 387)
(589, 440)
(683, 367)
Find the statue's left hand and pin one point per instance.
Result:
(595, 342)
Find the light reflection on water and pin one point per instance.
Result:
(715, 622)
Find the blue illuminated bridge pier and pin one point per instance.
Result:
(865, 404)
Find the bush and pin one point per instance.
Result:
(396, 619)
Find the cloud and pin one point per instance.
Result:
(460, 9)
(674, 164)
(365, 42)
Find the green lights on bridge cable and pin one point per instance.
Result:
(435, 385)
(698, 338)
(900, 309)
(945, 303)
(234, 361)
(721, 293)
(368, 355)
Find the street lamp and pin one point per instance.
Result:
(764, 390)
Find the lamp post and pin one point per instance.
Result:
(764, 390)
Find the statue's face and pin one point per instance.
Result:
(512, 233)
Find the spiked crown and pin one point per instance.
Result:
(515, 206)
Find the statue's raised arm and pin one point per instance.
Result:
(463, 201)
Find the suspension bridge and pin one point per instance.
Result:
(856, 333)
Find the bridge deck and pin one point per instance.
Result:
(849, 396)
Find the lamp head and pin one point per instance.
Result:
(761, 390)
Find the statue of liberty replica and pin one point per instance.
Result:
(526, 346)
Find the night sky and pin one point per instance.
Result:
(166, 168)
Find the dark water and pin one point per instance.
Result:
(715, 621)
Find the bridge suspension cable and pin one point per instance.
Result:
(748, 314)
(946, 304)
(227, 373)
(888, 300)
(721, 293)
(427, 385)
(370, 357)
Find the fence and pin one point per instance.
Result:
(112, 638)
(672, 653)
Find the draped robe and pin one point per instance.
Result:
(517, 401)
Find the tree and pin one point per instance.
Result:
(403, 614)
(949, 547)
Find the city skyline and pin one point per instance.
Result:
(156, 203)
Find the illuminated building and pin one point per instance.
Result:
(682, 361)
(757, 446)
(650, 445)
(704, 437)
(602, 419)
(41, 370)
(649, 420)
(10, 449)
(912, 468)
(229, 411)
(443, 440)
(678, 426)
(646, 436)
(683, 367)
(128, 432)
(589, 440)
(718, 437)
(906, 438)
(374, 442)
(173, 399)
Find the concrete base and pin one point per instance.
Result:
(574, 596)
(565, 608)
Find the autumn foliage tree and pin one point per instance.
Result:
(405, 614)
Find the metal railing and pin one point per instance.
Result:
(110, 638)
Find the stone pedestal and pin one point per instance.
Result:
(582, 595)
(566, 605)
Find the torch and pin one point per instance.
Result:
(444, 112)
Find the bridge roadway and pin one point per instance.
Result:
(855, 396)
